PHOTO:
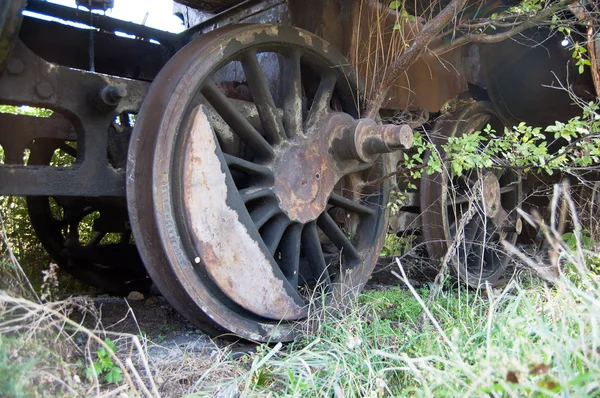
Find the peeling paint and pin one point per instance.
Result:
(307, 38)
(233, 259)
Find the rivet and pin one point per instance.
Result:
(44, 90)
(14, 66)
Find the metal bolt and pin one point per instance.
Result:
(14, 66)
(44, 90)
(112, 95)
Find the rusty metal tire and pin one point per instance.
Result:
(482, 258)
(10, 23)
(230, 238)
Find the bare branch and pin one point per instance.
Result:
(412, 54)
(483, 38)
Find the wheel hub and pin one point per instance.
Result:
(491, 194)
(303, 182)
(307, 171)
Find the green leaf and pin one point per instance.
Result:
(110, 344)
(397, 26)
(395, 5)
(114, 375)
(91, 370)
(105, 363)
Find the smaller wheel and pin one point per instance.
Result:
(483, 201)
(103, 257)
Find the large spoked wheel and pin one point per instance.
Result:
(245, 194)
(494, 194)
(89, 238)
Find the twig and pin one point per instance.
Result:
(439, 278)
(411, 55)
(15, 262)
(137, 377)
(424, 307)
(50, 311)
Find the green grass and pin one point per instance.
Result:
(538, 341)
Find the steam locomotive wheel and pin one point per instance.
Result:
(445, 203)
(241, 218)
(110, 265)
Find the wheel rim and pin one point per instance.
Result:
(106, 262)
(444, 204)
(241, 234)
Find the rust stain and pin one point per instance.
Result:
(233, 259)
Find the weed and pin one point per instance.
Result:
(395, 245)
(104, 365)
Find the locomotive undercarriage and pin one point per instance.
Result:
(230, 167)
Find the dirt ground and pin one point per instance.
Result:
(154, 317)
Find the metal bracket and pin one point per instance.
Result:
(77, 96)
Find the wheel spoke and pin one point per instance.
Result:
(345, 203)
(290, 253)
(96, 238)
(273, 231)
(314, 253)
(238, 123)
(248, 194)
(508, 189)
(476, 123)
(472, 233)
(292, 96)
(262, 97)
(245, 166)
(321, 103)
(125, 237)
(68, 149)
(339, 239)
(458, 200)
(263, 212)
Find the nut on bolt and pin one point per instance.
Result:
(112, 95)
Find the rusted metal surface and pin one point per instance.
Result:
(364, 32)
(241, 269)
(222, 209)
